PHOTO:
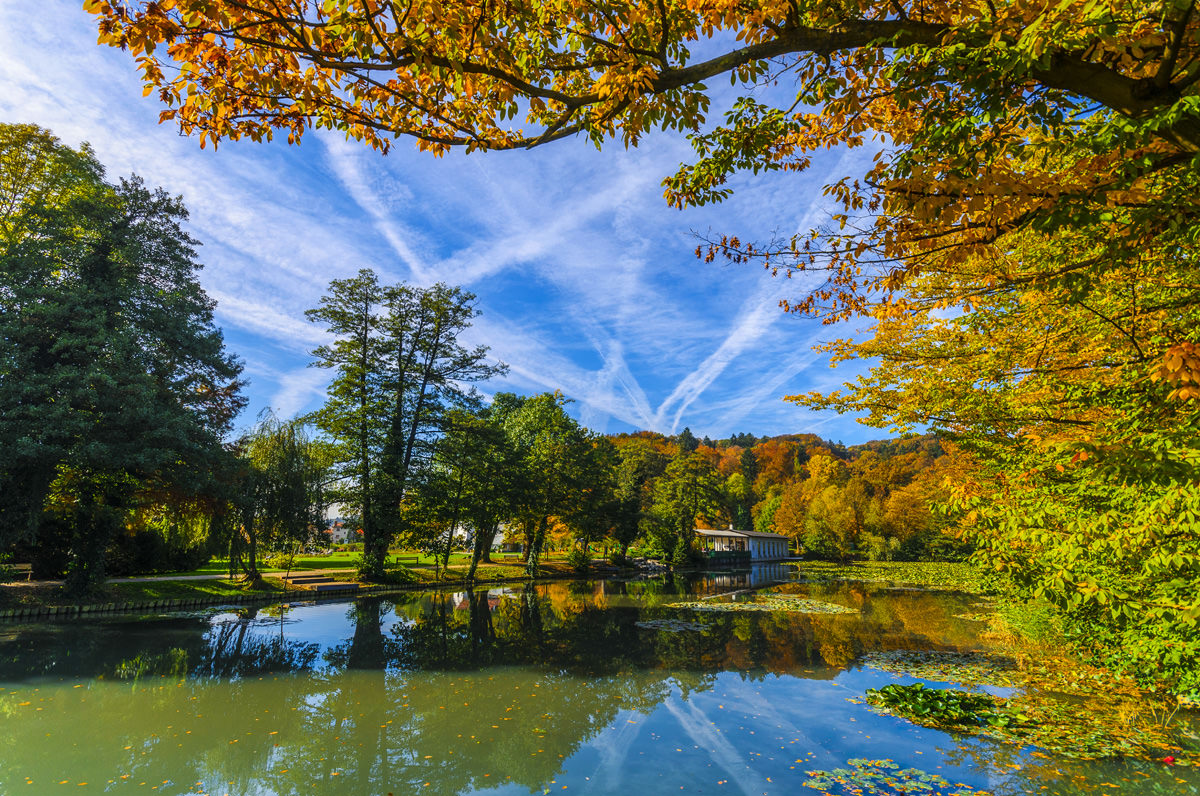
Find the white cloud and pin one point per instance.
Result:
(586, 276)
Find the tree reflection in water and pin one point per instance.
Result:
(463, 691)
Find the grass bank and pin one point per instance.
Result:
(23, 600)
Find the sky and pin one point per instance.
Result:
(586, 280)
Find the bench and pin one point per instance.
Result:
(304, 579)
(27, 569)
(414, 559)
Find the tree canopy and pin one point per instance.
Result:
(400, 368)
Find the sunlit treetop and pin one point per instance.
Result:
(954, 88)
(502, 75)
(988, 118)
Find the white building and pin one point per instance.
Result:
(760, 546)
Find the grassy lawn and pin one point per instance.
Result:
(143, 591)
(349, 560)
(29, 596)
(183, 590)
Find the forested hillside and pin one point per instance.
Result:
(873, 500)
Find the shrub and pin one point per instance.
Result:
(682, 555)
(579, 560)
(619, 560)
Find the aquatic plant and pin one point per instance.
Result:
(936, 706)
(880, 777)
(935, 575)
(670, 625)
(1085, 730)
(977, 668)
(780, 603)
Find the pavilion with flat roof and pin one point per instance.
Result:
(759, 545)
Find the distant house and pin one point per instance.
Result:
(747, 546)
(337, 532)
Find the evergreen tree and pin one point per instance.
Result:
(113, 378)
(355, 404)
(640, 465)
(690, 488)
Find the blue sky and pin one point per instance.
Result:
(586, 279)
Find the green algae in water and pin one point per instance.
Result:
(885, 778)
(1073, 729)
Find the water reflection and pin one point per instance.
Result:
(505, 690)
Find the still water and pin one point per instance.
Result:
(549, 689)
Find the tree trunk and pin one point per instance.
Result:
(97, 518)
(482, 549)
(535, 549)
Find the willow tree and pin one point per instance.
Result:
(285, 490)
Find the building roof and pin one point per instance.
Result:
(739, 534)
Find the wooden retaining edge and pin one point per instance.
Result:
(73, 611)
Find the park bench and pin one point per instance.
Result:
(26, 569)
(413, 559)
(321, 583)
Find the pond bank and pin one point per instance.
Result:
(24, 602)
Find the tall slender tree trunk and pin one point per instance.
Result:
(252, 573)
(98, 518)
(535, 549)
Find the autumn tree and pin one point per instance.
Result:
(1022, 242)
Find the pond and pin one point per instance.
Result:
(595, 687)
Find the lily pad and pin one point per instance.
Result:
(670, 625)
(950, 667)
(781, 603)
(879, 777)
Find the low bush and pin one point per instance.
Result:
(579, 560)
